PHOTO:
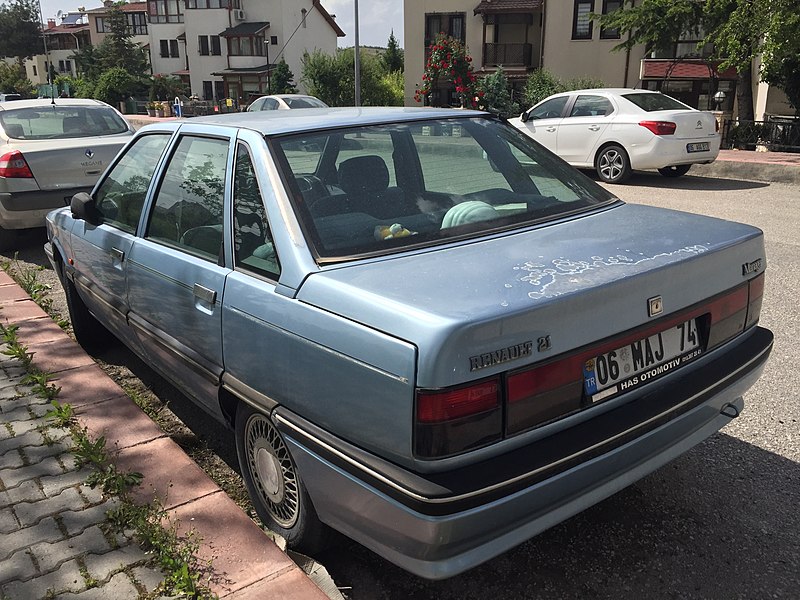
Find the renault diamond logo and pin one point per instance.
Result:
(655, 306)
(89, 153)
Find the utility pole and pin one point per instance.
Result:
(357, 62)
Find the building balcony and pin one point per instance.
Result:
(507, 55)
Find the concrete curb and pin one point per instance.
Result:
(755, 166)
(245, 562)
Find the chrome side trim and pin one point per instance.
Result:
(91, 288)
(247, 394)
(405, 491)
(200, 365)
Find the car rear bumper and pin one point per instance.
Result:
(23, 210)
(436, 531)
(664, 152)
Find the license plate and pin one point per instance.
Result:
(697, 147)
(642, 361)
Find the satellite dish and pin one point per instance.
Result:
(58, 14)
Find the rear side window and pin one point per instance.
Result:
(187, 213)
(120, 197)
(653, 102)
(60, 122)
(591, 106)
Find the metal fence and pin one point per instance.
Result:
(777, 135)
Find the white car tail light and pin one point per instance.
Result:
(659, 127)
(13, 165)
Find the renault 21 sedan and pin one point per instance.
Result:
(427, 332)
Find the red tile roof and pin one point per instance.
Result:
(129, 7)
(683, 69)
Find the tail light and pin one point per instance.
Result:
(457, 419)
(659, 127)
(14, 165)
(463, 418)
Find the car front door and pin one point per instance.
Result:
(543, 122)
(177, 272)
(100, 252)
(581, 131)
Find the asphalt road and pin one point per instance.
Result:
(720, 522)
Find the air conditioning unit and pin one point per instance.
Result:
(239, 14)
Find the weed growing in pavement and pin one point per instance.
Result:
(39, 382)
(28, 280)
(14, 347)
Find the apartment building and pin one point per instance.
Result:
(523, 35)
(220, 48)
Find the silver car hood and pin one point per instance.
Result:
(577, 281)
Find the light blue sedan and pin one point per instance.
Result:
(427, 332)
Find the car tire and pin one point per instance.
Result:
(675, 170)
(89, 332)
(274, 485)
(612, 164)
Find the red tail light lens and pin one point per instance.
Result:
(659, 127)
(538, 395)
(756, 289)
(13, 165)
(457, 419)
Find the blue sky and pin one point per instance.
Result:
(377, 18)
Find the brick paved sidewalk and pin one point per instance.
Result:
(51, 545)
(51, 540)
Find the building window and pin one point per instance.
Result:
(208, 45)
(246, 46)
(212, 3)
(169, 48)
(208, 93)
(219, 90)
(273, 40)
(202, 45)
(216, 48)
(64, 66)
(35, 74)
(581, 23)
(609, 6)
(453, 24)
(165, 11)
(137, 23)
(102, 25)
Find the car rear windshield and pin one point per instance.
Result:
(59, 122)
(306, 102)
(653, 102)
(380, 189)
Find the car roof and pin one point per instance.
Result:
(308, 119)
(36, 102)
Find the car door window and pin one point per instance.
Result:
(253, 248)
(551, 109)
(269, 104)
(591, 106)
(187, 213)
(120, 198)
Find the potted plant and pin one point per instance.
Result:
(159, 109)
(151, 109)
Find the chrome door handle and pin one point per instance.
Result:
(550, 129)
(117, 253)
(594, 128)
(205, 294)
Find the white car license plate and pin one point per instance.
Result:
(697, 147)
(642, 361)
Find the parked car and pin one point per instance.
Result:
(614, 131)
(285, 102)
(426, 330)
(49, 150)
(9, 97)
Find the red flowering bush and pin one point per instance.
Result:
(448, 61)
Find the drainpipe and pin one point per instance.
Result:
(541, 43)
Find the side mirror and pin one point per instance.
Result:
(83, 207)
(525, 117)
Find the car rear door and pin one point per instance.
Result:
(100, 253)
(580, 133)
(177, 269)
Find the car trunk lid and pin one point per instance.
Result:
(689, 124)
(570, 283)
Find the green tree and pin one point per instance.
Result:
(496, 94)
(781, 51)
(114, 85)
(87, 62)
(14, 80)
(539, 85)
(331, 78)
(20, 31)
(282, 79)
(118, 50)
(393, 58)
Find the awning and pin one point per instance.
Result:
(507, 6)
(262, 69)
(652, 68)
(244, 29)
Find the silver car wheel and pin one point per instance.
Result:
(611, 164)
(272, 470)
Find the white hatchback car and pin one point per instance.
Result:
(617, 130)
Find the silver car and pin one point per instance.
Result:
(49, 150)
(426, 331)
